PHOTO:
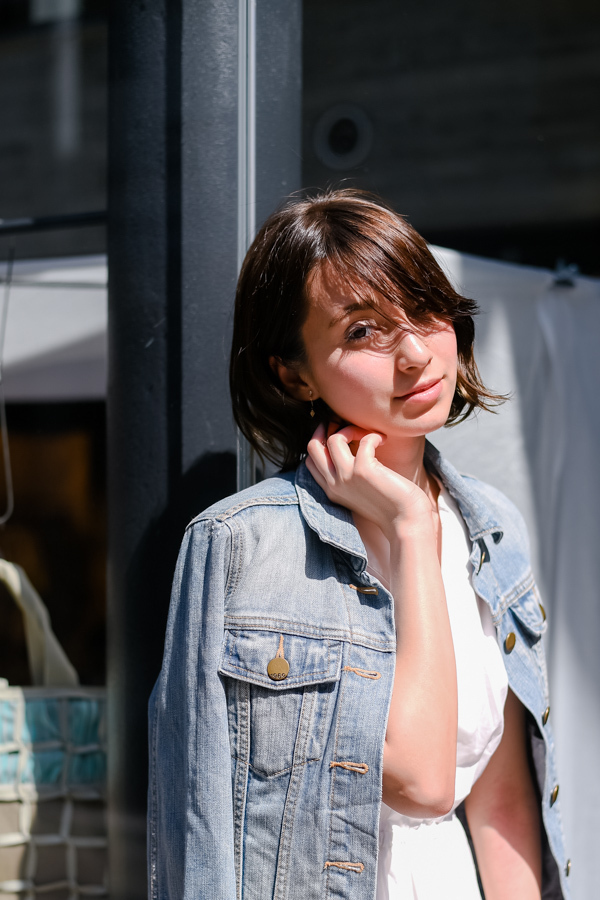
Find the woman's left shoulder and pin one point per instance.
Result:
(279, 490)
(486, 509)
(509, 556)
(498, 504)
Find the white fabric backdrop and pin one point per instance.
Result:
(539, 342)
(55, 346)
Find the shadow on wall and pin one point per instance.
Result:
(211, 478)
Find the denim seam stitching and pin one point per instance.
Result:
(514, 595)
(521, 588)
(235, 556)
(301, 630)
(240, 507)
(288, 679)
(554, 809)
(538, 649)
(287, 825)
(263, 774)
(334, 771)
(326, 696)
(243, 692)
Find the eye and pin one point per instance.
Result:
(359, 331)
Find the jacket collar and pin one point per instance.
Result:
(479, 518)
(334, 524)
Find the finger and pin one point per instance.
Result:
(341, 455)
(320, 457)
(316, 474)
(353, 436)
(354, 433)
(318, 453)
(350, 433)
(369, 444)
(352, 445)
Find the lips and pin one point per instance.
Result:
(426, 389)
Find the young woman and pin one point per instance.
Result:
(354, 646)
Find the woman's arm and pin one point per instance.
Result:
(190, 822)
(503, 816)
(420, 746)
(419, 762)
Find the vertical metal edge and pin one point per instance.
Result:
(246, 201)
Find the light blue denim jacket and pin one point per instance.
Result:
(264, 788)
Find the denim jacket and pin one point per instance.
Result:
(269, 785)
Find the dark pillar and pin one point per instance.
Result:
(180, 172)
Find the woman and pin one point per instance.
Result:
(354, 645)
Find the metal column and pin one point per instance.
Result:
(204, 141)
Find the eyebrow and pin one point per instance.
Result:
(348, 310)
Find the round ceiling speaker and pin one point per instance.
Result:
(343, 137)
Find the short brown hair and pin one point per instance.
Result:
(366, 244)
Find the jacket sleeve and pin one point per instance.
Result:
(190, 818)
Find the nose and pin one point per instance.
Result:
(412, 352)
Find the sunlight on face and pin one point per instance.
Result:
(384, 374)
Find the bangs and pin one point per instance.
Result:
(384, 263)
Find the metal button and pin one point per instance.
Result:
(545, 715)
(568, 868)
(543, 612)
(365, 589)
(278, 668)
(509, 643)
(554, 795)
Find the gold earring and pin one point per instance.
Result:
(312, 406)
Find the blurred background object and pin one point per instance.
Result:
(475, 120)
(53, 96)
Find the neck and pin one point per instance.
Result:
(406, 458)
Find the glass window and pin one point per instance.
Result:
(476, 120)
(53, 95)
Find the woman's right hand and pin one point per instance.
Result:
(358, 481)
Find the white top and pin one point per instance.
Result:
(430, 859)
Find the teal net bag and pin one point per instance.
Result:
(52, 769)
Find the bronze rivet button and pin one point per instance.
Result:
(545, 715)
(554, 795)
(509, 643)
(278, 668)
(568, 868)
(369, 589)
(543, 612)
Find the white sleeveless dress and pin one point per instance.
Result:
(430, 859)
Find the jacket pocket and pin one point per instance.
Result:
(277, 724)
(529, 615)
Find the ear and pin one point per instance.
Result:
(292, 380)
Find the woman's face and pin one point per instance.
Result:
(387, 376)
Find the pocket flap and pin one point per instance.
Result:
(246, 656)
(528, 611)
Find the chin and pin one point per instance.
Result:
(429, 420)
(417, 428)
